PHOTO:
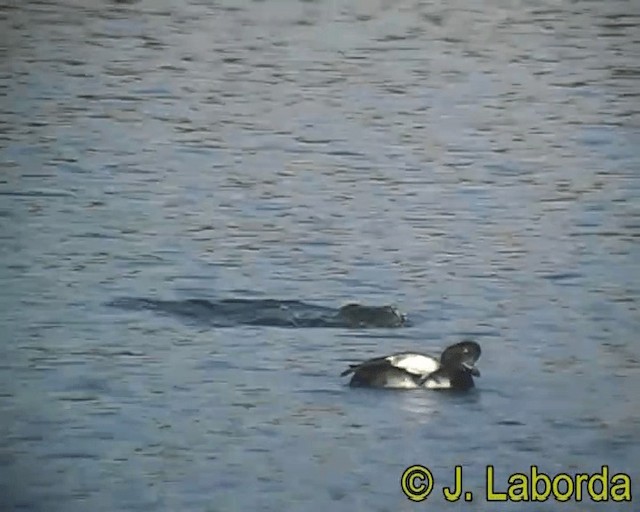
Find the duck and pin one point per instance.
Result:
(411, 370)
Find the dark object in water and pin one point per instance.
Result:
(357, 315)
(268, 312)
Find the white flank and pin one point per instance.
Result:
(437, 383)
(417, 364)
(401, 383)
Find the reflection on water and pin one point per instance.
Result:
(422, 407)
(474, 164)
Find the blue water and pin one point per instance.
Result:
(476, 165)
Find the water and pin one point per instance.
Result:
(474, 164)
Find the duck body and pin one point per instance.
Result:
(410, 370)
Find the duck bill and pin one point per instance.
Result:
(471, 369)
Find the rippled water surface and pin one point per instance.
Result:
(475, 164)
